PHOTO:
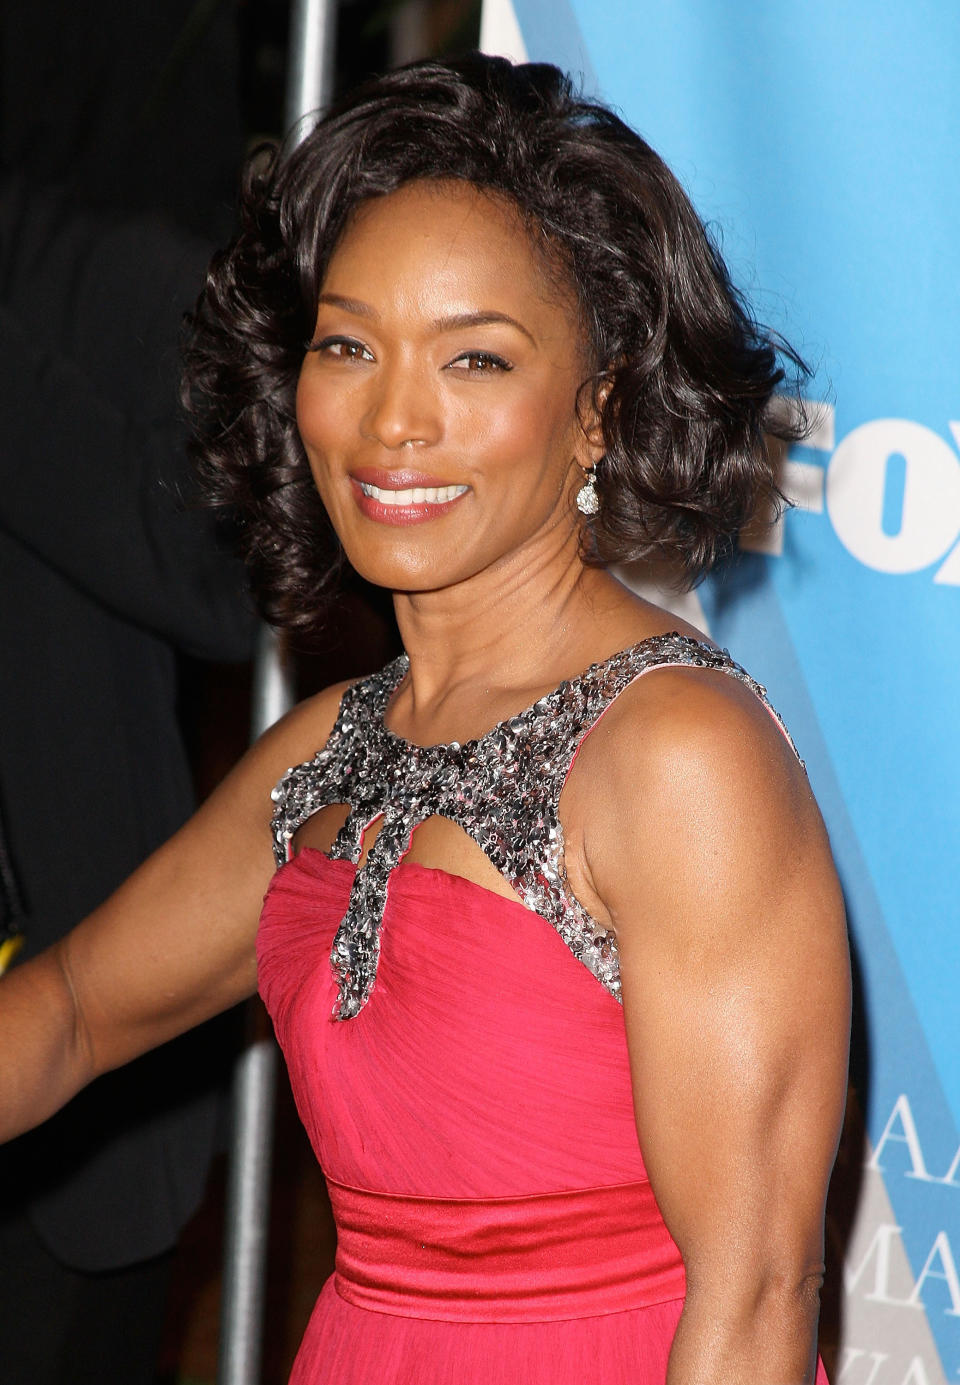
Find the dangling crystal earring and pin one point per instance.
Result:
(588, 502)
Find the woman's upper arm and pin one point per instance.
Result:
(710, 854)
(175, 943)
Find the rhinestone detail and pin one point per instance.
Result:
(503, 789)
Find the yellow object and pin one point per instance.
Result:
(9, 948)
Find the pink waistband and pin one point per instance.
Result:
(505, 1260)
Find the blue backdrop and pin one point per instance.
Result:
(821, 143)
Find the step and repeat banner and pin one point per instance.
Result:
(820, 142)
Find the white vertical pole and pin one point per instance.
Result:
(251, 1144)
(309, 83)
(310, 62)
(499, 31)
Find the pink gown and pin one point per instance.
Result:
(472, 1109)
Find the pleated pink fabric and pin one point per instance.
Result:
(475, 1124)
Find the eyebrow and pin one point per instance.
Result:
(454, 323)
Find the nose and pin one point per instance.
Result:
(403, 406)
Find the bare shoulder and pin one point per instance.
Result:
(689, 731)
(305, 729)
(294, 738)
(689, 770)
(701, 719)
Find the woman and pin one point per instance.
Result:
(535, 903)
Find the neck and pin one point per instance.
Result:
(524, 624)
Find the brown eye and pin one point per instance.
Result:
(480, 363)
(341, 348)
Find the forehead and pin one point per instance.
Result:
(470, 237)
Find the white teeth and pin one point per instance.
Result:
(416, 495)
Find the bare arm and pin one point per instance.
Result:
(171, 947)
(711, 857)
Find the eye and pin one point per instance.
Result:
(341, 349)
(479, 363)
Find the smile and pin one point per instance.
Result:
(415, 495)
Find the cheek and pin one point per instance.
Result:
(310, 412)
(327, 409)
(317, 433)
(535, 427)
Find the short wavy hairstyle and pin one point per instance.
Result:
(688, 377)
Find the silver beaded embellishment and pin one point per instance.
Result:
(503, 789)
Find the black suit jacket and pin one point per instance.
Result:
(105, 572)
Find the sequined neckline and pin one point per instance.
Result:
(401, 667)
(502, 788)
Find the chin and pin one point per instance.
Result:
(407, 573)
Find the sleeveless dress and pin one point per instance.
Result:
(459, 1061)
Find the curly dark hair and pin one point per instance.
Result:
(687, 376)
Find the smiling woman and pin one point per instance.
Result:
(448, 392)
(551, 940)
(686, 376)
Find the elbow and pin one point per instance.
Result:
(790, 1296)
(785, 1293)
(42, 1023)
(768, 1311)
(78, 1039)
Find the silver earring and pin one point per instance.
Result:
(588, 502)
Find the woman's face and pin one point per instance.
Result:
(438, 404)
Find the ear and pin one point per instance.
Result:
(591, 400)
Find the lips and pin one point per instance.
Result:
(403, 497)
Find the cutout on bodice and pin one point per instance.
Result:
(436, 844)
(502, 789)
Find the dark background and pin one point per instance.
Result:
(371, 35)
(129, 106)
